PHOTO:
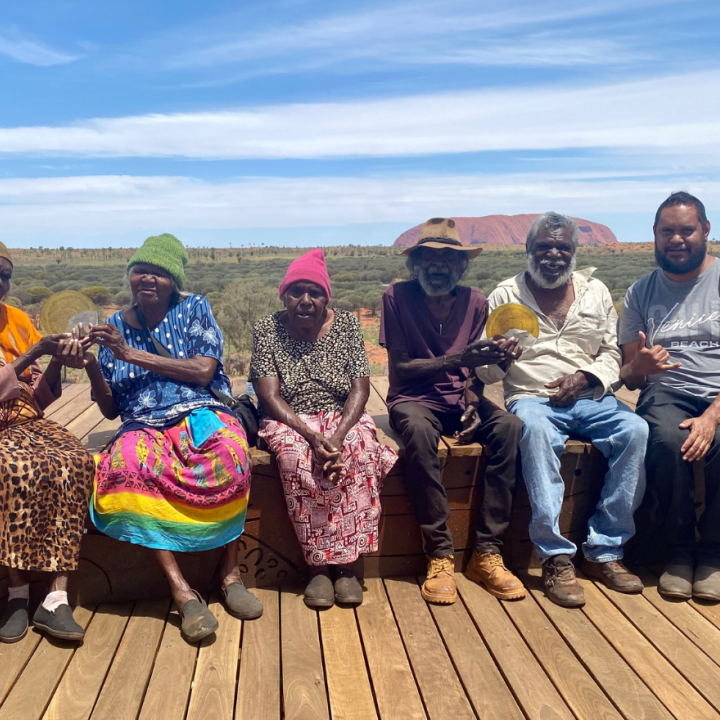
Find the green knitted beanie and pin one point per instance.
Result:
(165, 251)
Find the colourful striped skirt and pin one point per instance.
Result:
(154, 488)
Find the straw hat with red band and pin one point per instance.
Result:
(439, 234)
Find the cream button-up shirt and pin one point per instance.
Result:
(587, 341)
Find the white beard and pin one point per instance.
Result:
(541, 281)
(451, 280)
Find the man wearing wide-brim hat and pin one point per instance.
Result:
(431, 327)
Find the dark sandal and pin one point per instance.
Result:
(196, 620)
(240, 602)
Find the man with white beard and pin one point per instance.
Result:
(432, 327)
(562, 385)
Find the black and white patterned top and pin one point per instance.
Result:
(314, 376)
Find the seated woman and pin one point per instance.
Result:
(45, 475)
(177, 476)
(311, 374)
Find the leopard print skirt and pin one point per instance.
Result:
(46, 477)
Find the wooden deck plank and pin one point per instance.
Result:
(577, 687)
(69, 393)
(691, 662)
(79, 404)
(124, 688)
(81, 684)
(534, 692)
(381, 384)
(629, 397)
(13, 659)
(304, 691)
(442, 693)
(258, 692)
(35, 687)
(377, 408)
(619, 681)
(86, 422)
(97, 439)
(685, 618)
(174, 668)
(673, 691)
(710, 611)
(349, 691)
(213, 690)
(395, 689)
(484, 684)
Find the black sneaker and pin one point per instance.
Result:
(14, 622)
(59, 623)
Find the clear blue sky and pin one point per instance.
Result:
(304, 122)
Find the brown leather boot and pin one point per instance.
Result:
(439, 586)
(561, 585)
(488, 569)
(612, 574)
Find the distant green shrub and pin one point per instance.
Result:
(99, 294)
(345, 277)
(66, 285)
(37, 293)
(13, 301)
(239, 307)
(123, 298)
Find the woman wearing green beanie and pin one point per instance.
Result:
(177, 476)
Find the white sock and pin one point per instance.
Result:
(54, 600)
(21, 591)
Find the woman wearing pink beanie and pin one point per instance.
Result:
(311, 374)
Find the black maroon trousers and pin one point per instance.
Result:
(421, 429)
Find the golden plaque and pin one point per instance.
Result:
(515, 320)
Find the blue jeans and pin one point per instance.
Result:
(619, 434)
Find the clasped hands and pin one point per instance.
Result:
(328, 451)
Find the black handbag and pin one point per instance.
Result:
(242, 406)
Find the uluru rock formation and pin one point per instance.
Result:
(508, 230)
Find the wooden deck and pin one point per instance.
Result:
(393, 658)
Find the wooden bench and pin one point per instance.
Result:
(110, 570)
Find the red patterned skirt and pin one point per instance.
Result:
(334, 523)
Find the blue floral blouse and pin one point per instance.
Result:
(188, 330)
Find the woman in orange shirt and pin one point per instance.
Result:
(45, 474)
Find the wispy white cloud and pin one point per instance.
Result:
(19, 47)
(631, 116)
(106, 205)
(511, 33)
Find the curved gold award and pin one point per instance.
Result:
(63, 310)
(512, 319)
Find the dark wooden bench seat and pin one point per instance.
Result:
(271, 555)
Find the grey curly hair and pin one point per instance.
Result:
(552, 223)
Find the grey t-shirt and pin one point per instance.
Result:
(685, 319)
